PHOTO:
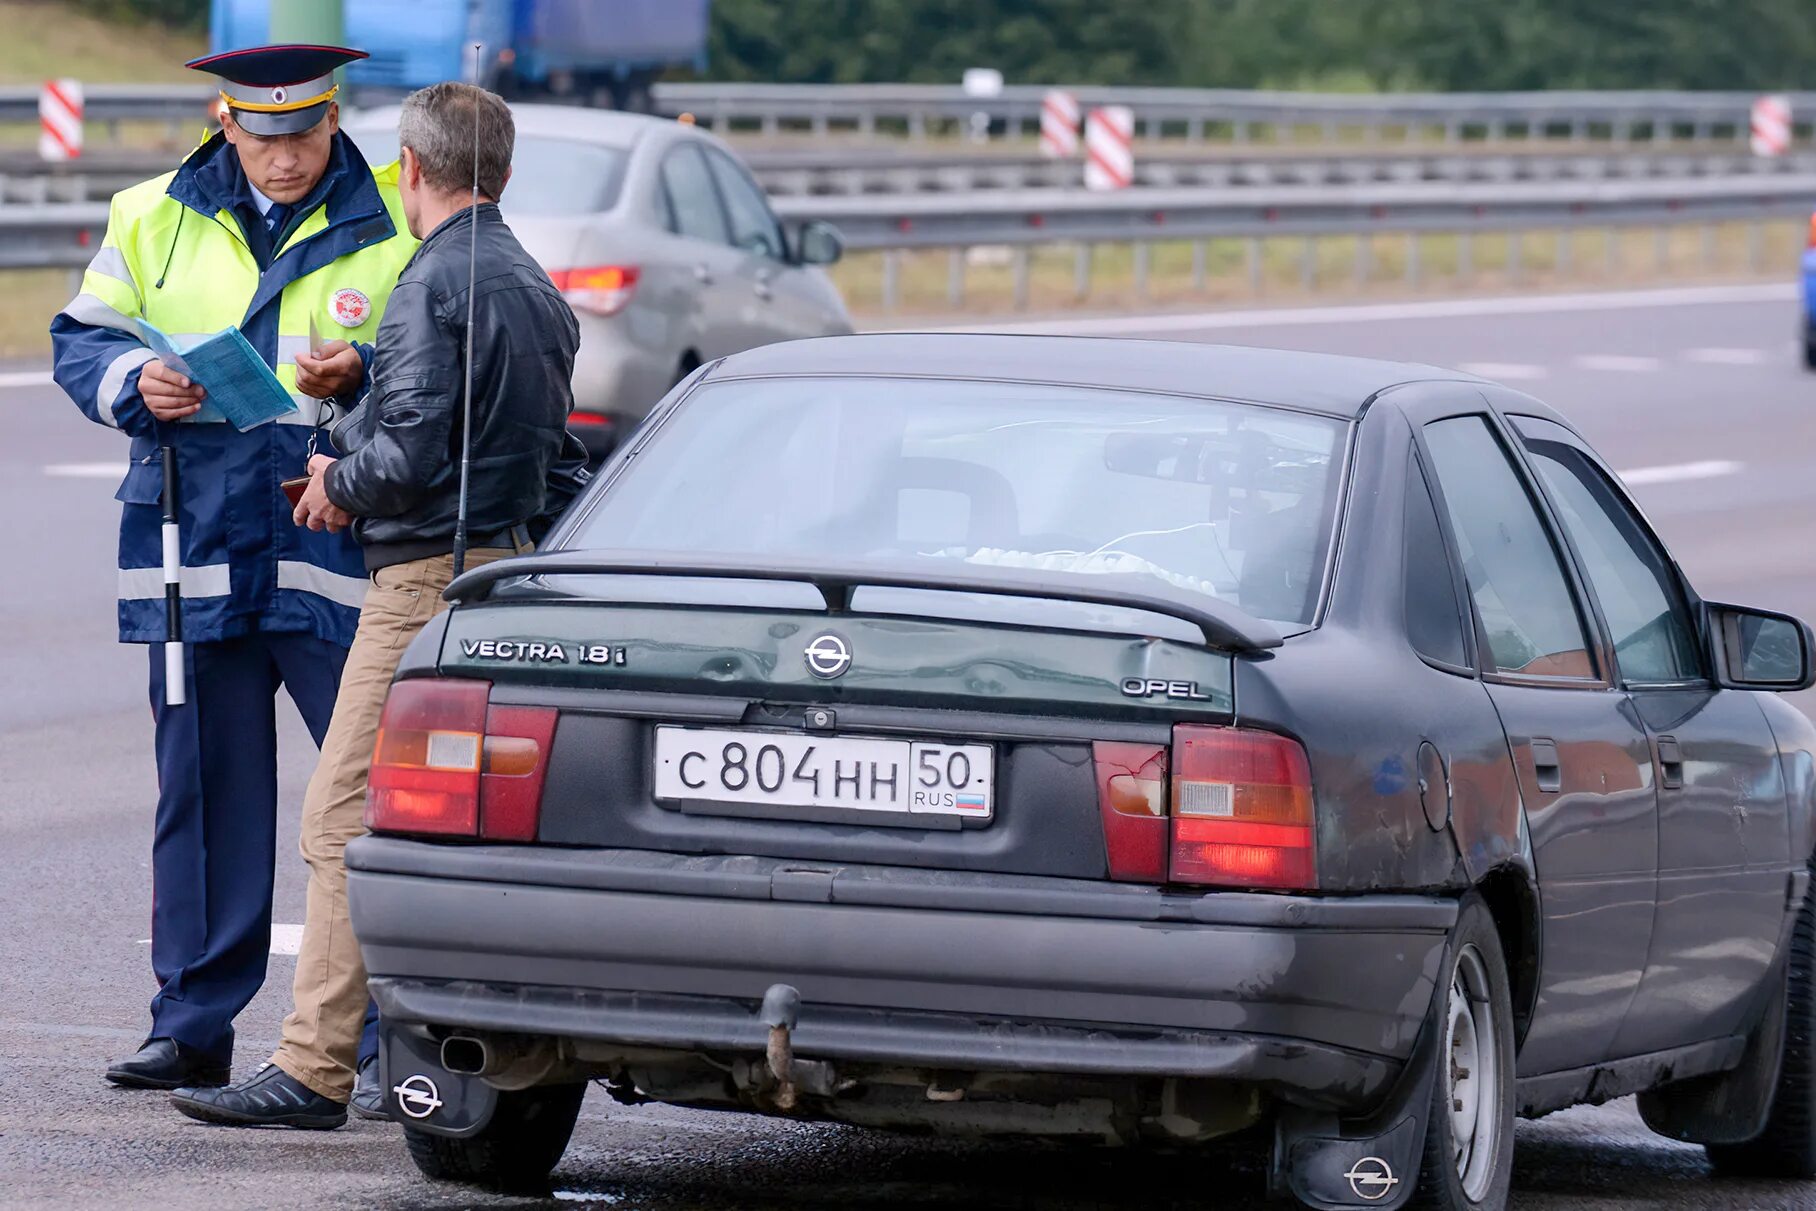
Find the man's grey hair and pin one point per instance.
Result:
(437, 125)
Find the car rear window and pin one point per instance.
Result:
(1231, 500)
(549, 176)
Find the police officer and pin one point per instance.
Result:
(275, 224)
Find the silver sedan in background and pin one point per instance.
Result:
(663, 243)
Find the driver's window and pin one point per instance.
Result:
(1631, 578)
(753, 227)
(1528, 613)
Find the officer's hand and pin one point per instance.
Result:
(167, 394)
(315, 510)
(337, 371)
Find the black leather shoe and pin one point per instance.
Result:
(168, 1064)
(368, 1095)
(270, 1097)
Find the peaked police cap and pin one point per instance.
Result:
(278, 90)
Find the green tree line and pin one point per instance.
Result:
(1374, 44)
(1353, 44)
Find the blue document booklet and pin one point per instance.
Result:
(241, 388)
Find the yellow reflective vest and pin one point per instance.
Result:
(176, 255)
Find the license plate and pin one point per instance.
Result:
(706, 765)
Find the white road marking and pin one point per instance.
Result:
(285, 939)
(1620, 363)
(25, 378)
(1727, 357)
(1672, 473)
(1504, 371)
(85, 470)
(1525, 304)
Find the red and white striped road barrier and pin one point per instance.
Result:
(1059, 125)
(1772, 125)
(1109, 147)
(60, 120)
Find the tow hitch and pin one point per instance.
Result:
(782, 1079)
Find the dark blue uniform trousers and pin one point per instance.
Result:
(216, 837)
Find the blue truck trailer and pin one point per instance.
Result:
(599, 52)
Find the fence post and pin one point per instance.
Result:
(1565, 251)
(1198, 266)
(1081, 271)
(1141, 269)
(955, 277)
(1466, 255)
(892, 264)
(1707, 250)
(1412, 259)
(1308, 262)
(1255, 264)
(1365, 258)
(1661, 250)
(1516, 256)
(1021, 277)
(1611, 251)
(1755, 244)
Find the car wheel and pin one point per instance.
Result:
(1786, 1146)
(1468, 1161)
(514, 1152)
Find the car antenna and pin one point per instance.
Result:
(466, 404)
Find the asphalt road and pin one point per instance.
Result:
(1697, 395)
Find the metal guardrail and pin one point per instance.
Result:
(66, 234)
(1238, 115)
(849, 170)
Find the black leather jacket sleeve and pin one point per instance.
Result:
(416, 395)
(567, 476)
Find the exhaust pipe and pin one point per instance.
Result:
(505, 1062)
(466, 1055)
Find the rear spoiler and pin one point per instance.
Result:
(1223, 625)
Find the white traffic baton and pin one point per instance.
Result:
(174, 687)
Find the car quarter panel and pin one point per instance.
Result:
(1363, 703)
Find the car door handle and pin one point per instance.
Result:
(762, 287)
(1670, 764)
(703, 275)
(1545, 766)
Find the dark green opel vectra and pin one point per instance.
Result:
(1124, 742)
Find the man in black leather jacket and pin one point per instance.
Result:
(398, 485)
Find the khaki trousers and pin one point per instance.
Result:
(321, 1035)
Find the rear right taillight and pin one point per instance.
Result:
(1242, 810)
(447, 763)
(1812, 243)
(1226, 807)
(600, 289)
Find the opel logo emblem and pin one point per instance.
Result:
(417, 1096)
(1371, 1178)
(828, 656)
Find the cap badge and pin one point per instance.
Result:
(349, 307)
(279, 95)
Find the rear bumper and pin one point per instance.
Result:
(1321, 998)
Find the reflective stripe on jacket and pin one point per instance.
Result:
(175, 255)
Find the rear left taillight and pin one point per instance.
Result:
(600, 289)
(1226, 807)
(1812, 243)
(448, 763)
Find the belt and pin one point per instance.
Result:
(515, 539)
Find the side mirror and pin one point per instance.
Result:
(1760, 650)
(818, 243)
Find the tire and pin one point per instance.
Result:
(1475, 1068)
(1786, 1146)
(515, 1152)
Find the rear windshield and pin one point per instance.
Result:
(548, 176)
(1230, 500)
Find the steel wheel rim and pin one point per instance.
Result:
(1472, 1074)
